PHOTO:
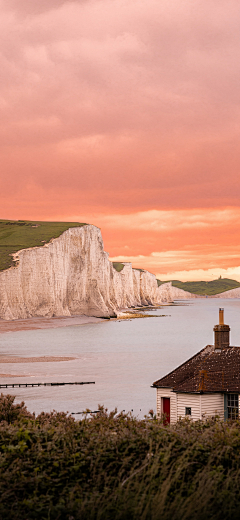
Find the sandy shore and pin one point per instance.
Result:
(63, 321)
(45, 323)
(39, 359)
(14, 375)
(135, 315)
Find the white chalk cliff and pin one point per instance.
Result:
(232, 293)
(72, 275)
(174, 293)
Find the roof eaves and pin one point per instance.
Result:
(201, 392)
(154, 385)
(167, 387)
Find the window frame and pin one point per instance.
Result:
(232, 406)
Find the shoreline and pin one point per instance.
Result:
(37, 359)
(37, 323)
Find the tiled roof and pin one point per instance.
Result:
(209, 370)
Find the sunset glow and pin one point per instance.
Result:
(125, 114)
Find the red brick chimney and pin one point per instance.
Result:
(221, 332)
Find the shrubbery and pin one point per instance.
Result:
(113, 466)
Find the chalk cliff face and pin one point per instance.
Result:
(72, 275)
(233, 293)
(169, 293)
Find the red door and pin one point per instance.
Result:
(166, 409)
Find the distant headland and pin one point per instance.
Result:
(203, 288)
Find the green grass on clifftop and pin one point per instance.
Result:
(205, 288)
(21, 234)
(118, 266)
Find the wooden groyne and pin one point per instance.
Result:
(24, 385)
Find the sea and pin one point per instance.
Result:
(123, 358)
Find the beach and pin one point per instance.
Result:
(46, 323)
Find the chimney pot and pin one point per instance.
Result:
(221, 316)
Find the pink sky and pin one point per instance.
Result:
(125, 114)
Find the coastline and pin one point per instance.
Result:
(40, 322)
(46, 323)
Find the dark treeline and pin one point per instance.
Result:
(114, 467)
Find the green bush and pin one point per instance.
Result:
(114, 466)
(10, 412)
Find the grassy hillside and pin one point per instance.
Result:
(205, 288)
(21, 234)
(116, 467)
(118, 266)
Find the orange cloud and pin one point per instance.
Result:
(124, 112)
(187, 262)
(169, 220)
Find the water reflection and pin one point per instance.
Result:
(123, 358)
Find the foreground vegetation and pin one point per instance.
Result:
(113, 466)
(205, 288)
(21, 234)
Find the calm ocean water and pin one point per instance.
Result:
(123, 358)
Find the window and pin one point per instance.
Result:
(232, 406)
(188, 411)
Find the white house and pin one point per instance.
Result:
(206, 385)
